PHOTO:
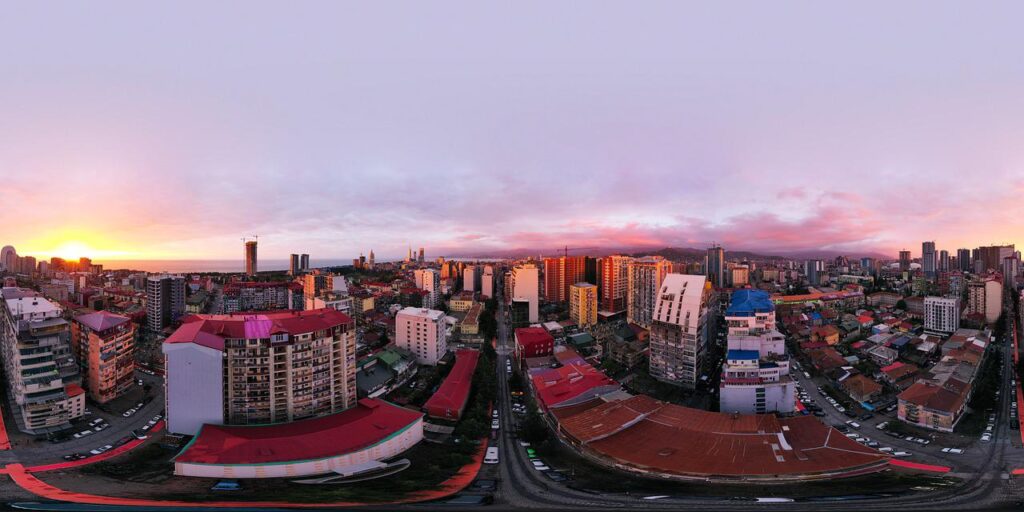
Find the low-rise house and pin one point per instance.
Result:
(861, 388)
(900, 375)
(882, 355)
(827, 333)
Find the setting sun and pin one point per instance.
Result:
(73, 250)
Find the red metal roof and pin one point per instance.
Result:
(211, 330)
(644, 433)
(530, 336)
(568, 382)
(450, 399)
(370, 422)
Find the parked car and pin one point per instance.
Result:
(955, 451)
(901, 454)
(491, 457)
(853, 424)
(495, 425)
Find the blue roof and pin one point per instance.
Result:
(742, 355)
(746, 302)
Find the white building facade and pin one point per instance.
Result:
(679, 329)
(526, 287)
(755, 374)
(941, 315)
(423, 332)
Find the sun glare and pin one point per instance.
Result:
(72, 250)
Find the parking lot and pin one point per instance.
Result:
(107, 426)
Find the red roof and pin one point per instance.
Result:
(73, 389)
(369, 423)
(450, 399)
(644, 433)
(569, 382)
(211, 330)
(528, 337)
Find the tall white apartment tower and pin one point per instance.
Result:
(527, 287)
(429, 280)
(679, 329)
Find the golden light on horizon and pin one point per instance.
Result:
(72, 244)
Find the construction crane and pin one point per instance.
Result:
(566, 249)
(254, 237)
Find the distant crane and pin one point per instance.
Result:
(254, 237)
(566, 249)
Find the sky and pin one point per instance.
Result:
(169, 131)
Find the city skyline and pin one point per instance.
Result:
(773, 145)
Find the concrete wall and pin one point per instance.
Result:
(194, 387)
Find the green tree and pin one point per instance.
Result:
(901, 304)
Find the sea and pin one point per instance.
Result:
(186, 266)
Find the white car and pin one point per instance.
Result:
(955, 451)
(495, 425)
(885, 449)
(986, 438)
(882, 425)
(539, 465)
(901, 454)
(840, 408)
(853, 424)
(492, 455)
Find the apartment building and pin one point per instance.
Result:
(38, 364)
(985, 298)
(679, 329)
(104, 344)
(560, 273)
(941, 315)
(272, 367)
(429, 280)
(583, 304)
(165, 300)
(526, 288)
(261, 296)
(614, 276)
(422, 332)
(755, 375)
(644, 277)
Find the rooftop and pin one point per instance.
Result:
(101, 320)
(747, 302)
(211, 330)
(430, 314)
(369, 423)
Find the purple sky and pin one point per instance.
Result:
(333, 128)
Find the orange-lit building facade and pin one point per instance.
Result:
(104, 344)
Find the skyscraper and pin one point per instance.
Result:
(963, 260)
(813, 270)
(992, 256)
(420, 258)
(304, 262)
(165, 300)
(904, 261)
(293, 266)
(614, 273)
(928, 259)
(943, 261)
(526, 287)
(250, 258)
(644, 277)
(679, 330)
(371, 259)
(560, 273)
(715, 266)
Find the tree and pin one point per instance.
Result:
(534, 430)
(901, 304)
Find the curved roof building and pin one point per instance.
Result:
(642, 435)
(348, 442)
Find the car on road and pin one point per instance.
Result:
(955, 451)
(95, 422)
(491, 457)
(853, 424)
(819, 413)
(901, 454)
(882, 425)
(128, 413)
(985, 438)
(885, 449)
(494, 425)
(226, 485)
(866, 416)
(539, 465)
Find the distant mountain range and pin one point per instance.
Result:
(672, 253)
